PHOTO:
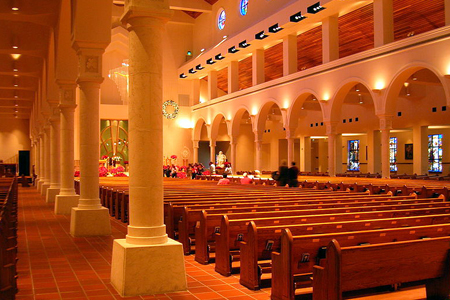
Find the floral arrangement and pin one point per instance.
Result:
(102, 172)
(207, 172)
(181, 175)
(120, 169)
(105, 157)
(77, 174)
(120, 175)
(174, 157)
(227, 164)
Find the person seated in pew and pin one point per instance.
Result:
(246, 179)
(224, 180)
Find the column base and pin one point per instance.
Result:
(51, 195)
(44, 188)
(39, 185)
(147, 269)
(90, 222)
(64, 204)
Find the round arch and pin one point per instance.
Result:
(235, 122)
(198, 129)
(264, 111)
(293, 113)
(216, 124)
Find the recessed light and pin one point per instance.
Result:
(182, 75)
(244, 44)
(232, 50)
(199, 67)
(15, 8)
(219, 56)
(210, 61)
(192, 71)
(297, 17)
(260, 35)
(315, 8)
(275, 28)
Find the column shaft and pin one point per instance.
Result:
(67, 150)
(258, 67)
(330, 39)
(290, 146)
(289, 54)
(385, 162)
(258, 156)
(212, 84)
(233, 155)
(55, 179)
(233, 77)
(420, 142)
(37, 159)
(383, 21)
(212, 151)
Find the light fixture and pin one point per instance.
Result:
(275, 28)
(189, 53)
(219, 56)
(192, 71)
(232, 50)
(315, 8)
(260, 35)
(199, 67)
(15, 104)
(356, 88)
(15, 56)
(297, 17)
(182, 75)
(360, 99)
(15, 69)
(16, 110)
(210, 61)
(243, 44)
(406, 84)
(203, 49)
(15, 5)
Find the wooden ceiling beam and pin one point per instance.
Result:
(191, 5)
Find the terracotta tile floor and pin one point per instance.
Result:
(54, 265)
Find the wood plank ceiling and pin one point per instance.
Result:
(195, 14)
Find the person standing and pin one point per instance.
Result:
(293, 175)
(283, 177)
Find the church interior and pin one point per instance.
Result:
(118, 119)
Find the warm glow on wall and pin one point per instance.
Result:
(286, 104)
(202, 100)
(379, 85)
(448, 70)
(16, 56)
(185, 123)
(254, 111)
(326, 96)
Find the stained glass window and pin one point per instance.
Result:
(353, 155)
(221, 19)
(393, 153)
(243, 7)
(435, 153)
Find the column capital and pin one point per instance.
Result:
(331, 127)
(155, 9)
(385, 122)
(258, 136)
(67, 93)
(195, 144)
(89, 64)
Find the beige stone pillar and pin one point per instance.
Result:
(305, 154)
(258, 75)
(89, 218)
(383, 22)
(233, 146)
(233, 76)
(37, 159)
(195, 147)
(55, 163)
(212, 85)
(258, 150)
(290, 145)
(47, 168)
(67, 197)
(333, 159)
(420, 149)
(385, 128)
(330, 39)
(289, 54)
(195, 91)
(374, 151)
(147, 261)
(41, 161)
(212, 151)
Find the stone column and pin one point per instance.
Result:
(290, 145)
(212, 151)
(67, 197)
(147, 261)
(330, 39)
(41, 161)
(47, 166)
(420, 149)
(385, 128)
(195, 146)
(305, 154)
(233, 76)
(447, 12)
(289, 54)
(37, 159)
(383, 22)
(212, 85)
(258, 150)
(333, 159)
(55, 163)
(233, 146)
(258, 75)
(89, 218)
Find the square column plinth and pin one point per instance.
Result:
(44, 188)
(64, 204)
(90, 222)
(51, 194)
(148, 269)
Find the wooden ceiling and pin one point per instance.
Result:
(195, 14)
(356, 34)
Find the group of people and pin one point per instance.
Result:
(286, 176)
(189, 171)
(244, 180)
(226, 170)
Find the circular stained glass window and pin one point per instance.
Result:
(221, 19)
(243, 7)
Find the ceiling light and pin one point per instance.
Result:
(243, 44)
(16, 56)
(297, 17)
(15, 104)
(199, 67)
(210, 61)
(16, 85)
(275, 28)
(15, 96)
(182, 75)
(219, 56)
(260, 35)
(315, 8)
(232, 50)
(203, 49)
(15, 8)
(192, 71)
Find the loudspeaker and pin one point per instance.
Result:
(24, 162)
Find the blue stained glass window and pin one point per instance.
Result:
(435, 153)
(353, 155)
(221, 19)
(243, 7)
(393, 153)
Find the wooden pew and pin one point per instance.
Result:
(209, 226)
(360, 267)
(298, 255)
(255, 258)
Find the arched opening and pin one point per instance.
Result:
(242, 133)
(219, 134)
(201, 135)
